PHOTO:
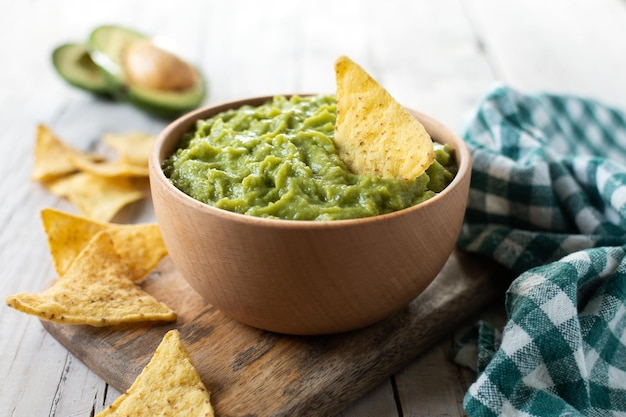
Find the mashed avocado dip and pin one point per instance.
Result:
(278, 160)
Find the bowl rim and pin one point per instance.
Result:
(190, 118)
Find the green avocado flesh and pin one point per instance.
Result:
(74, 64)
(97, 67)
(278, 160)
(107, 44)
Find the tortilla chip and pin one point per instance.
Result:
(133, 148)
(96, 291)
(54, 158)
(99, 188)
(140, 245)
(109, 168)
(168, 386)
(99, 198)
(374, 134)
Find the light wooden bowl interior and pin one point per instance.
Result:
(307, 277)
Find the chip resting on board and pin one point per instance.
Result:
(140, 246)
(374, 134)
(168, 386)
(96, 290)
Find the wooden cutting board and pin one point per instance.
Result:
(255, 373)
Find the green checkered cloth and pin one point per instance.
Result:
(548, 201)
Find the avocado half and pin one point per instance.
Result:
(106, 49)
(74, 64)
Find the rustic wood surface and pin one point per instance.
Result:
(437, 57)
(257, 373)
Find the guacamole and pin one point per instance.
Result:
(278, 160)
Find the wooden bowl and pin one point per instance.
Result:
(307, 277)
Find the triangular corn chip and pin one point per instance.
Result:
(168, 386)
(98, 198)
(140, 245)
(95, 291)
(109, 168)
(54, 158)
(133, 148)
(374, 134)
(98, 188)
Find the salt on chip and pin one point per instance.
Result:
(53, 157)
(374, 134)
(95, 291)
(140, 245)
(169, 385)
(99, 198)
(133, 148)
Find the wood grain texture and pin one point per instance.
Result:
(251, 372)
(438, 57)
(560, 46)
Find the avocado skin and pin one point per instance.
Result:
(74, 64)
(162, 108)
(113, 83)
(157, 103)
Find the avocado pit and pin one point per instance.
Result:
(149, 66)
(126, 65)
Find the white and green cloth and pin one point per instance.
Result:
(548, 201)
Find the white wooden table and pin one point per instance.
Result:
(438, 57)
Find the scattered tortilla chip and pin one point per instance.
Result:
(99, 198)
(109, 168)
(133, 148)
(75, 175)
(140, 245)
(168, 386)
(96, 291)
(374, 134)
(54, 158)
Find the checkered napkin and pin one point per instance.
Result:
(548, 201)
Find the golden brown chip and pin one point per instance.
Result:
(168, 386)
(109, 168)
(140, 245)
(99, 198)
(54, 158)
(132, 148)
(374, 134)
(96, 291)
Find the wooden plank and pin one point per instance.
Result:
(378, 402)
(560, 46)
(425, 52)
(257, 373)
(434, 376)
(80, 392)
